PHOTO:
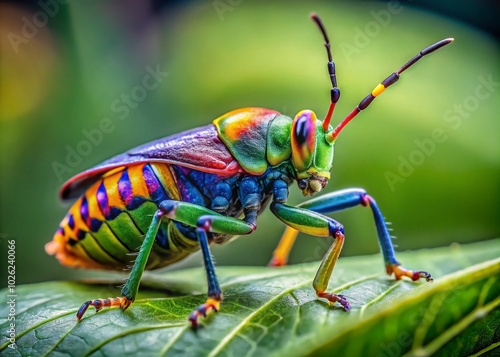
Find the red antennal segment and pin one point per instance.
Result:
(335, 91)
(393, 78)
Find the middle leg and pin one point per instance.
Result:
(206, 222)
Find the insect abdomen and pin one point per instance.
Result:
(108, 222)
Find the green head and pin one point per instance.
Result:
(312, 152)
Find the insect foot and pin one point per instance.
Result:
(400, 272)
(204, 309)
(333, 298)
(123, 302)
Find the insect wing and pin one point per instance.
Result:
(199, 149)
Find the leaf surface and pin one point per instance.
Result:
(274, 311)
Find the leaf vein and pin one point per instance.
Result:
(454, 330)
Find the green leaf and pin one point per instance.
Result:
(274, 311)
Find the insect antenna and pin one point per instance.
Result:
(335, 91)
(393, 78)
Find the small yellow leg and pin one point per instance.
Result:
(280, 254)
(320, 282)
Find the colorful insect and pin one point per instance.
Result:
(179, 194)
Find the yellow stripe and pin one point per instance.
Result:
(136, 178)
(378, 89)
(314, 231)
(79, 224)
(111, 185)
(114, 171)
(65, 226)
(94, 210)
(167, 180)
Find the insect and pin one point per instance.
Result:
(177, 195)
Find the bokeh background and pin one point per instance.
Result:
(67, 68)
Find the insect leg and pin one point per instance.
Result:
(342, 199)
(129, 290)
(206, 221)
(308, 218)
(280, 254)
(310, 222)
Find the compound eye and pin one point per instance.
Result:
(303, 140)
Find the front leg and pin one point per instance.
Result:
(316, 224)
(308, 218)
(337, 201)
(206, 221)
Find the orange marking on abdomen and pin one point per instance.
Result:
(111, 184)
(94, 210)
(136, 178)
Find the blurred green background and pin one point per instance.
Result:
(82, 62)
